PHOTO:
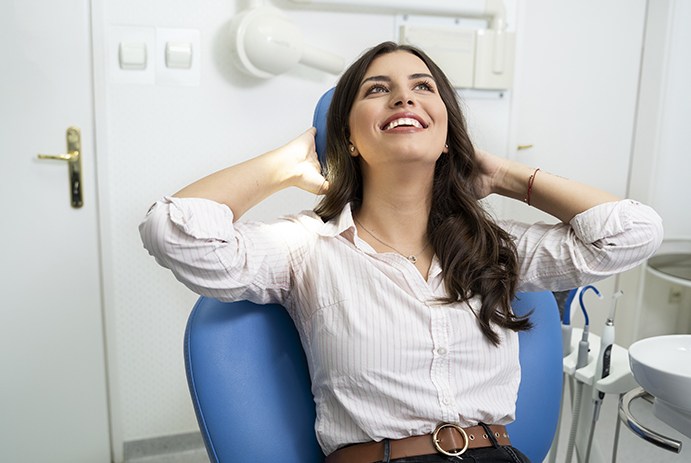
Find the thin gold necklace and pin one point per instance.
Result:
(412, 258)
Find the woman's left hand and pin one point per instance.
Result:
(557, 196)
(492, 168)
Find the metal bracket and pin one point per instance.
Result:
(647, 434)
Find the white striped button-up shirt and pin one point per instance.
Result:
(386, 361)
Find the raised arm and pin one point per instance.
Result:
(600, 236)
(557, 196)
(244, 185)
(193, 233)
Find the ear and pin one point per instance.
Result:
(353, 151)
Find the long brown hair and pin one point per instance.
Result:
(478, 258)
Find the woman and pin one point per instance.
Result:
(399, 283)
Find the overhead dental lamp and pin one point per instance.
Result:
(267, 44)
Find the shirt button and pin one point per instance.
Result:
(446, 401)
(442, 351)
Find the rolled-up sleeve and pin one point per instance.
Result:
(197, 240)
(605, 240)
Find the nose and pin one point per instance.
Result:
(402, 97)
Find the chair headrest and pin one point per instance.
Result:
(319, 122)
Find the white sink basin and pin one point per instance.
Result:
(662, 366)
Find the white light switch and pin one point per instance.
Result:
(132, 55)
(179, 55)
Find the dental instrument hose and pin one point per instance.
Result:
(566, 322)
(566, 348)
(581, 361)
(566, 335)
(602, 370)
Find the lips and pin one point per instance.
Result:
(404, 120)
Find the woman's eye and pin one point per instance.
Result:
(376, 89)
(423, 86)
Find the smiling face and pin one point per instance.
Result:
(354, 117)
(398, 114)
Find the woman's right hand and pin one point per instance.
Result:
(244, 185)
(301, 164)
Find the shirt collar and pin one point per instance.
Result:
(343, 222)
(344, 225)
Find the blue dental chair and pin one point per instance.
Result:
(250, 384)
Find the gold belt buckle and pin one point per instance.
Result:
(435, 439)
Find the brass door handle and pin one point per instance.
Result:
(74, 164)
(60, 157)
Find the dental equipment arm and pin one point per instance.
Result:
(602, 369)
(566, 332)
(583, 348)
(606, 342)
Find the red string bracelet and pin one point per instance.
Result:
(531, 180)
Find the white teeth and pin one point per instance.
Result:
(403, 121)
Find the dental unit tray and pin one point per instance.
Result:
(620, 379)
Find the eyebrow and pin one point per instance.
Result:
(388, 79)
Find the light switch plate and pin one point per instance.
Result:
(178, 55)
(132, 55)
(167, 74)
(127, 36)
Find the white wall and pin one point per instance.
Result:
(155, 138)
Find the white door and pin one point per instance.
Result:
(53, 400)
(576, 88)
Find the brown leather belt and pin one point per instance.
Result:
(447, 439)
